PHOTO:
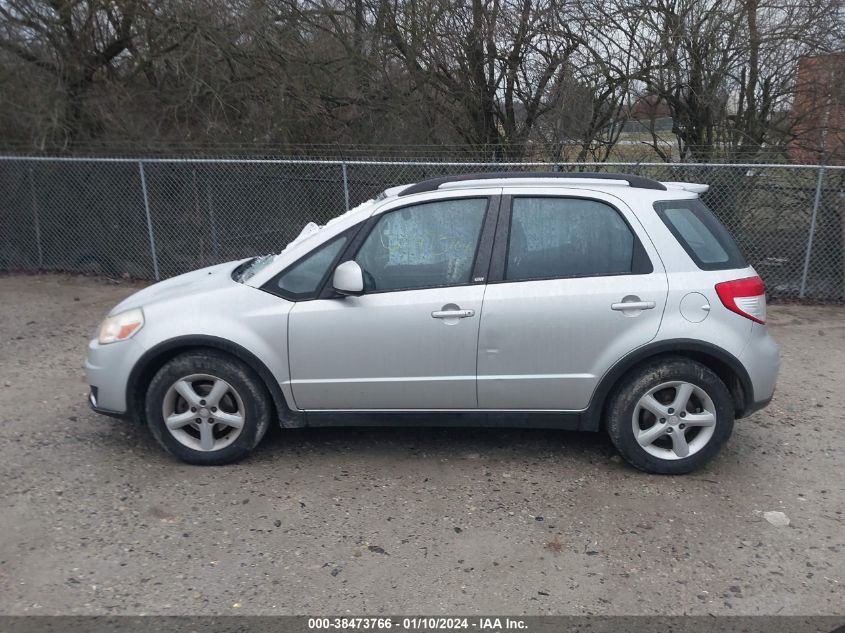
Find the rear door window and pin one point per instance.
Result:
(553, 238)
(704, 238)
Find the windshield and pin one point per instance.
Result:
(249, 269)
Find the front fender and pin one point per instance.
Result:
(246, 322)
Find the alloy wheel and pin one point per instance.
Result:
(203, 412)
(674, 420)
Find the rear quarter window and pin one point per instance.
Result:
(705, 239)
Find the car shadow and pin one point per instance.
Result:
(434, 442)
(441, 443)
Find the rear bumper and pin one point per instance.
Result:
(761, 359)
(754, 407)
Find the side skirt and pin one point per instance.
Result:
(566, 420)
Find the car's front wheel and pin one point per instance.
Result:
(207, 408)
(670, 416)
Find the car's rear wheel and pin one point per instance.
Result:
(207, 408)
(670, 416)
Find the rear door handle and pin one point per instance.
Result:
(632, 305)
(452, 314)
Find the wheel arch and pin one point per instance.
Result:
(154, 358)
(721, 362)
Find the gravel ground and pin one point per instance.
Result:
(96, 519)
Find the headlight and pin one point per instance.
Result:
(120, 327)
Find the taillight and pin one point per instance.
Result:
(746, 297)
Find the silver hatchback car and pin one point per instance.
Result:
(557, 300)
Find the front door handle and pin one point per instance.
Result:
(632, 305)
(452, 314)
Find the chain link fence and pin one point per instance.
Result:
(158, 217)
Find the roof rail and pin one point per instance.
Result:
(432, 184)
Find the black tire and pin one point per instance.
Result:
(256, 402)
(622, 403)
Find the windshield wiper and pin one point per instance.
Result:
(238, 273)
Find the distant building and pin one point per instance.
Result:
(819, 110)
(649, 112)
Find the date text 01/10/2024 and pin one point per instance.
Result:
(418, 623)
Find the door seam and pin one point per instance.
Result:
(484, 293)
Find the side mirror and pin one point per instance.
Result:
(348, 278)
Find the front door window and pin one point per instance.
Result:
(424, 246)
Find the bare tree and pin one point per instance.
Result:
(499, 65)
(726, 70)
(511, 75)
(72, 41)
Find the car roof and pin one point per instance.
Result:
(621, 186)
(554, 176)
(610, 182)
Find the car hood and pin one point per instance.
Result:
(195, 282)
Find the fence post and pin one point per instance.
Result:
(149, 219)
(816, 201)
(345, 186)
(215, 244)
(35, 220)
(197, 214)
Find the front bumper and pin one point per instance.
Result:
(107, 369)
(96, 408)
